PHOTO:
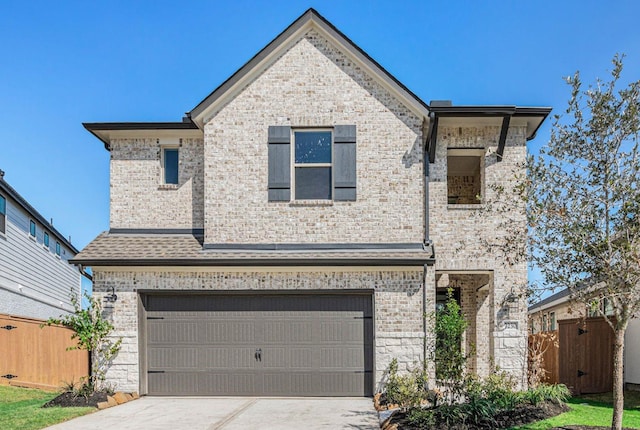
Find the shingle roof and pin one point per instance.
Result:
(550, 299)
(109, 249)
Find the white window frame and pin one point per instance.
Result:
(163, 177)
(303, 165)
(3, 233)
(35, 228)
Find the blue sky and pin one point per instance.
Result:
(64, 63)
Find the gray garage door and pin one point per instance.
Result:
(266, 345)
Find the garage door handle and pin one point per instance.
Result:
(258, 354)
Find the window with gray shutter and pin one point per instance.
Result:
(324, 163)
(344, 143)
(279, 163)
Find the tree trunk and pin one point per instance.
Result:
(618, 379)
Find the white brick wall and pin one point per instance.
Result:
(313, 85)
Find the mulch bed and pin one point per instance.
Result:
(522, 415)
(68, 399)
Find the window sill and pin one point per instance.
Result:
(168, 187)
(311, 203)
(467, 207)
(32, 238)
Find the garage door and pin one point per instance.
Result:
(266, 345)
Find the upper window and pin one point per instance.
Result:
(32, 228)
(45, 240)
(312, 165)
(170, 165)
(58, 248)
(544, 322)
(464, 177)
(552, 321)
(3, 215)
(307, 164)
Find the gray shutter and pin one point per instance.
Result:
(344, 175)
(279, 163)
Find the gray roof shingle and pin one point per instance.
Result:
(109, 249)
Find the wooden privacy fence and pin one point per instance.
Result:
(37, 357)
(586, 355)
(543, 356)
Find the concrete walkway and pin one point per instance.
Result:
(232, 413)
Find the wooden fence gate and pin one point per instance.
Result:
(586, 355)
(37, 357)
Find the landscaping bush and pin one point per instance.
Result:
(408, 390)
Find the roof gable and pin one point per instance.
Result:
(311, 19)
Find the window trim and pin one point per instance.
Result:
(468, 152)
(4, 215)
(33, 227)
(163, 175)
(331, 165)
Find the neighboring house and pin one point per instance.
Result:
(280, 240)
(36, 278)
(549, 313)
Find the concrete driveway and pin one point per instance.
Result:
(232, 413)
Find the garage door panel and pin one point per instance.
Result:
(310, 345)
(229, 330)
(225, 357)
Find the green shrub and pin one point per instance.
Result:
(558, 393)
(406, 390)
(449, 327)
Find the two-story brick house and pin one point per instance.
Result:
(286, 238)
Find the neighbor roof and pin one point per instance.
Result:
(22, 202)
(561, 296)
(117, 249)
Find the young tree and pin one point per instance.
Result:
(583, 205)
(92, 332)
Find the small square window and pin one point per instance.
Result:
(313, 165)
(46, 239)
(170, 165)
(32, 228)
(464, 177)
(58, 248)
(3, 215)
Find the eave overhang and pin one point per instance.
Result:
(9, 191)
(311, 19)
(501, 116)
(106, 131)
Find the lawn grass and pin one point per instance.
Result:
(593, 410)
(21, 409)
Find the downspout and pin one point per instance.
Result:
(427, 243)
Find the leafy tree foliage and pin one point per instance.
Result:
(93, 334)
(450, 359)
(584, 201)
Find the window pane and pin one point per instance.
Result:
(170, 166)
(32, 228)
(313, 146)
(313, 183)
(3, 214)
(46, 240)
(58, 248)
